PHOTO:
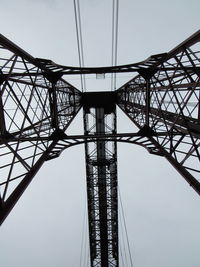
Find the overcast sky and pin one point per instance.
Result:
(161, 210)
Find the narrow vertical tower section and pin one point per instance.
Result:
(101, 171)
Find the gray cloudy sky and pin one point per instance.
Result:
(162, 211)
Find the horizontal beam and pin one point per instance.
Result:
(48, 66)
(81, 137)
(117, 69)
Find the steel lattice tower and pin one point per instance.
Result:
(37, 106)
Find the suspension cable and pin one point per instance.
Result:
(88, 258)
(112, 48)
(125, 227)
(124, 257)
(121, 254)
(82, 238)
(115, 21)
(79, 41)
(87, 249)
(116, 40)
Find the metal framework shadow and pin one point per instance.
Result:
(37, 106)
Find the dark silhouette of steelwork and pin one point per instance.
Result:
(101, 170)
(37, 106)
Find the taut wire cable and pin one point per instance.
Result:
(126, 232)
(115, 22)
(79, 41)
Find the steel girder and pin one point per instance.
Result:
(36, 107)
(168, 101)
(150, 63)
(101, 173)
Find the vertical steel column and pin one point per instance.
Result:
(101, 170)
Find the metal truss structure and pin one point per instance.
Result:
(37, 106)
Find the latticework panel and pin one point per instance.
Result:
(166, 99)
(33, 109)
(101, 171)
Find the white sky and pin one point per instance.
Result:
(162, 211)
